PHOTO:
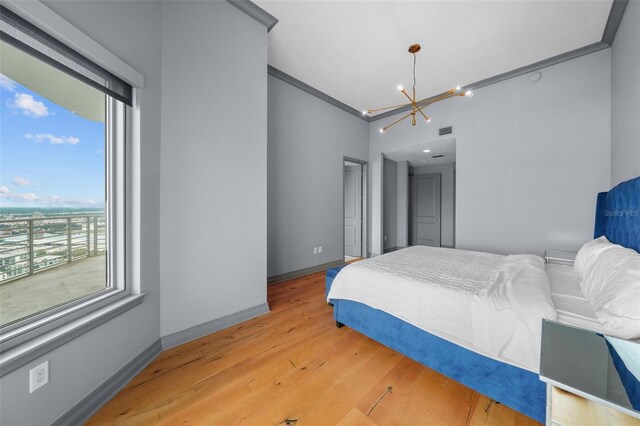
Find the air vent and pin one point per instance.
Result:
(445, 131)
(437, 156)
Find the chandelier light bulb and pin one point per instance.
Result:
(458, 88)
(400, 88)
(429, 120)
(381, 130)
(364, 112)
(426, 150)
(468, 93)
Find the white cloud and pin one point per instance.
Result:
(7, 84)
(21, 181)
(53, 140)
(29, 106)
(21, 198)
(4, 189)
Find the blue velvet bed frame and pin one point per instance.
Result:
(617, 217)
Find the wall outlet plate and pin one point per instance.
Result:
(320, 249)
(315, 250)
(38, 376)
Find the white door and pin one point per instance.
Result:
(426, 209)
(353, 210)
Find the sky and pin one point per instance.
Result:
(49, 157)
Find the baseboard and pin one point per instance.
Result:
(90, 404)
(209, 327)
(446, 246)
(302, 272)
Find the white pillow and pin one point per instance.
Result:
(611, 284)
(589, 252)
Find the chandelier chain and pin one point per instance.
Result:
(414, 75)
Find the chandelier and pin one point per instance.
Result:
(417, 106)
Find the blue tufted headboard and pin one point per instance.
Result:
(618, 214)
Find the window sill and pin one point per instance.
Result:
(24, 353)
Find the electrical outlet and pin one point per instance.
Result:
(320, 249)
(385, 238)
(38, 376)
(315, 250)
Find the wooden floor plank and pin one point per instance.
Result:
(294, 367)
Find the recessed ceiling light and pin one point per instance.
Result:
(427, 150)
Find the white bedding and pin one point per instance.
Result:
(568, 299)
(442, 290)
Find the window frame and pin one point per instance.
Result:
(85, 315)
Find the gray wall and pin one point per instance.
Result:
(213, 207)
(307, 140)
(402, 217)
(531, 157)
(447, 200)
(625, 97)
(131, 30)
(390, 212)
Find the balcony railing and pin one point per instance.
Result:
(32, 245)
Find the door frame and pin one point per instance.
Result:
(365, 210)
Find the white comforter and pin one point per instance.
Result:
(488, 303)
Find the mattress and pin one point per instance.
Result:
(438, 290)
(454, 276)
(566, 294)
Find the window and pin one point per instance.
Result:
(62, 181)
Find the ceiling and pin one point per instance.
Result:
(416, 156)
(356, 51)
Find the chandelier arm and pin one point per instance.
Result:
(396, 122)
(412, 102)
(428, 101)
(415, 105)
(419, 109)
(389, 107)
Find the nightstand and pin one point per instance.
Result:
(560, 257)
(586, 385)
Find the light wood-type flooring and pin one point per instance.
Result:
(294, 367)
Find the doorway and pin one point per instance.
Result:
(354, 209)
(418, 208)
(426, 196)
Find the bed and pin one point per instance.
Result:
(470, 324)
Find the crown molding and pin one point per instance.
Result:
(314, 92)
(256, 12)
(613, 21)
